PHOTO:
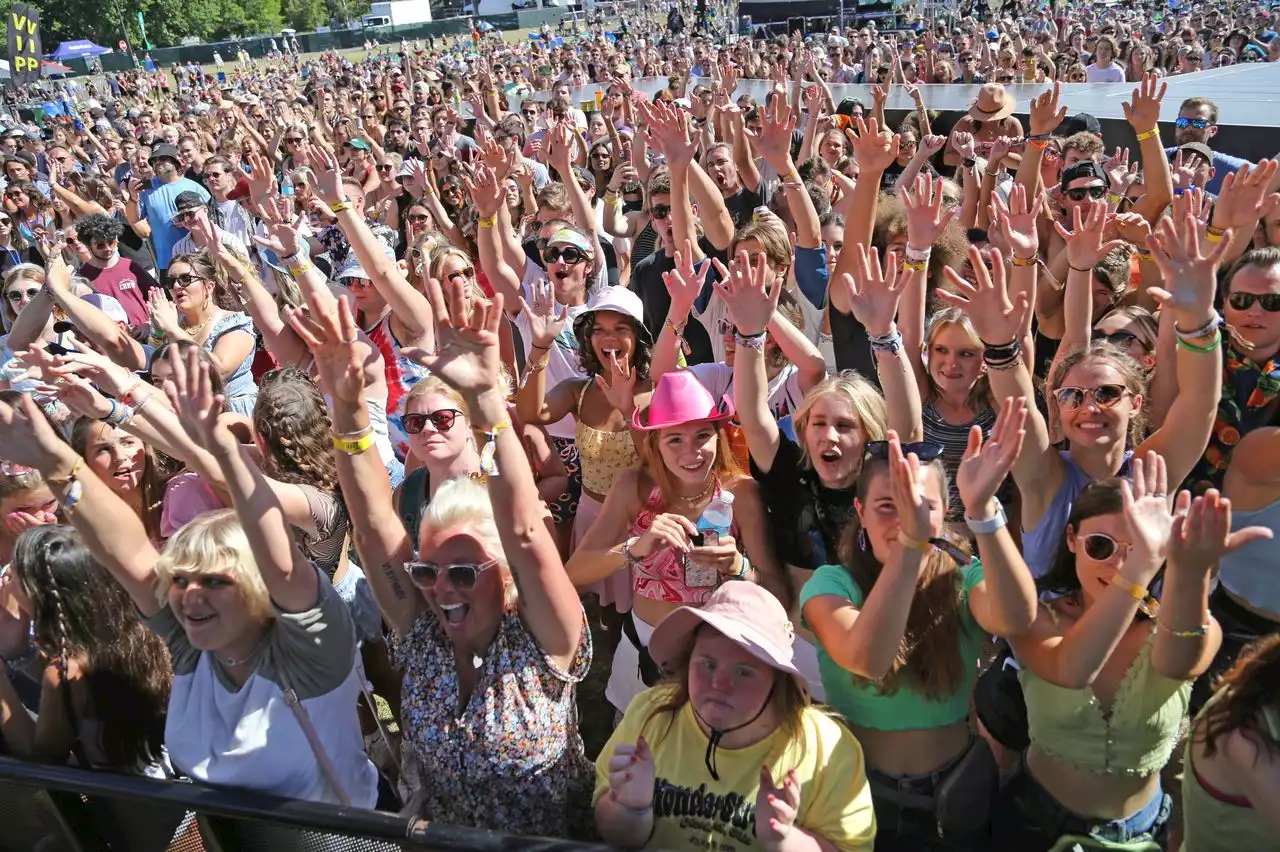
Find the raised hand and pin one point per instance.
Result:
(546, 318)
(874, 150)
(1085, 241)
(986, 464)
(915, 516)
(632, 774)
(931, 144)
(1202, 532)
(1014, 226)
(80, 396)
(190, 392)
(1243, 198)
(163, 315)
(684, 284)
(466, 355)
(927, 217)
(1143, 109)
(486, 190)
(776, 809)
(669, 128)
(746, 293)
(1146, 513)
(773, 142)
(496, 158)
(328, 173)
(997, 318)
(965, 145)
(328, 328)
(874, 291)
(262, 179)
(1046, 112)
(1189, 272)
(619, 385)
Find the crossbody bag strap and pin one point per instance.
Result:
(313, 739)
(373, 710)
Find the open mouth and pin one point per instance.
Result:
(455, 614)
(694, 467)
(123, 474)
(199, 620)
(830, 456)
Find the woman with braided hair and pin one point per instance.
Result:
(105, 689)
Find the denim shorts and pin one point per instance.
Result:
(1029, 818)
(902, 828)
(354, 590)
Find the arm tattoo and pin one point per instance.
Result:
(393, 579)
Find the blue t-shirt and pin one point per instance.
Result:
(1222, 165)
(157, 206)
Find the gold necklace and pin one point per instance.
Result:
(706, 492)
(193, 330)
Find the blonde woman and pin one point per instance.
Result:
(245, 616)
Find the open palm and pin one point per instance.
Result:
(466, 355)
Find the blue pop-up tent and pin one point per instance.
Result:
(81, 49)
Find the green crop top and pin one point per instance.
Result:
(907, 710)
(1135, 738)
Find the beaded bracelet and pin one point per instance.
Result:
(1194, 633)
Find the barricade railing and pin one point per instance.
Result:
(61, 809)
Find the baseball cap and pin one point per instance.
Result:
(1081, 122)
(1198, 148)
(109, 305)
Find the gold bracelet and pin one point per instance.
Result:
(1195, 633)
(486, 222)
(339, 207)
(1149, 134)
(353, 448)
(1133, 590)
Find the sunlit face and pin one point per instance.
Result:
(469, 616)
(833, 239)
(212, 609)
(1091, 424)
(19, 292)
(613, 334)
(834, 440)
(879, 514)
(955, 359)
(1202, 113)
(689, 451)
(832, 147)
(1255, 326)
(191, 292)
(596, 127)
(727, 685)
(437, 442)
(118, 458)
(1096, 574)
(1129, 336)
(722, 170)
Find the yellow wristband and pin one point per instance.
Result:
(1133, 590)
(1150, 134)
(911, 544)
(485, 222)
(1212, 237)
(1021, 261)
(914, 265)
(339, 207)
(299, 268)
(352, 448)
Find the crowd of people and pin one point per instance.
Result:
(686, 472)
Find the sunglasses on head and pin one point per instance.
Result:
(1120, 338)
(19, 295)
(1101, 547)
(926, 451)
(461, 576)
(660, 211)
(1103, 396)
(569, 255)
(1244, 301)
(441, 420)
(1081, 193)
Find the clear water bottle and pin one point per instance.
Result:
(717, 518)
(286, 186)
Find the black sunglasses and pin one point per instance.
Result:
(569, 255)
(660, 211)
(461, 576)
(1244, 301)
(1081, 193)
(1120, 338)
(441, 421)
(185, 280)
(926, 451)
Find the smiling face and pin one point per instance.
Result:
(1095, 574)
(879, 514)
(118, 458)
(468, 615)
(613, 334)
(1091, 424)
(955, 359)
(1129, 336)
(1256, 326)
(727, 685)
(212, 609)
(834, 439)
(689, 451)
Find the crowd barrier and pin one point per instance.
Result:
(60, 809)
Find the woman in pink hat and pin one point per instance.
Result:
(728, 751)
(649, 523)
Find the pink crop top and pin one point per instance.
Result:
(660, 576)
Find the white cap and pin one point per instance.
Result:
(109, 305)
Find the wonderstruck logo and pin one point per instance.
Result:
(729, 814)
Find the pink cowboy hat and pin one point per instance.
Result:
(744, 613)
(680, 398)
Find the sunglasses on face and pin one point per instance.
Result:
(386, 167)
(1103, 396)
(5, 220)
(1101, 547)
(926, 451)
(1197, 123)
(419, 218)
(660, 211)
(568, 255)
(358, 283)
(461, 576)
(183, 281)
(19, 295)
(1120, 338)
(441, 421)
(1081, 193)
(1244, 301)
(293, 140)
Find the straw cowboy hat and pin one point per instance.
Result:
(992, 104)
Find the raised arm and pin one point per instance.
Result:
(751, 306)
(91, 323)
(534, 403)
(1085, 250)
(927, 218)
(1143, 114)
(684, 283)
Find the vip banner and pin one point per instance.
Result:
(24, 44)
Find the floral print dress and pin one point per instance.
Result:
(513, 760)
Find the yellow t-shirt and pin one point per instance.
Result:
(692, 811)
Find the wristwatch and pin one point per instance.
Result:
(985, 526)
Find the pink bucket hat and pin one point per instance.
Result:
(680, 398)
(743, 612)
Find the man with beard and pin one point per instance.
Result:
(743, 190)
(110, 274)
(157, 205)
